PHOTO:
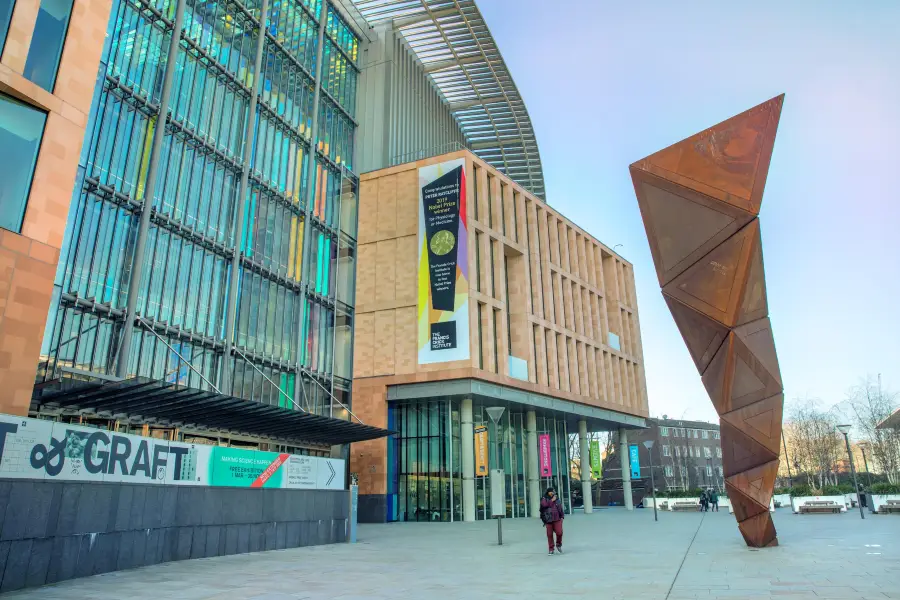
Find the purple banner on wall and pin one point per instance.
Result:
(544, 455)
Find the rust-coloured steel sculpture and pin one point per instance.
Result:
(700, 202)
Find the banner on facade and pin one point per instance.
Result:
(634, 457)
(596, 460)
(443, 269)
(481, 451)
(38, 449)
(544, 455)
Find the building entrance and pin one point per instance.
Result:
(424, 461)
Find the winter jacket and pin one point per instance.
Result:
(713, 497)
(553, 509)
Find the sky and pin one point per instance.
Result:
(609, 82)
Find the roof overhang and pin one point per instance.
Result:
(454, 45)
(892, 422)
(143, 399)
(598, 419)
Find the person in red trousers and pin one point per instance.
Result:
(552, 516)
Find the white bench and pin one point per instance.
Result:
(821, 506)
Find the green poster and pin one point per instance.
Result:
(596, 460)
(245, 468)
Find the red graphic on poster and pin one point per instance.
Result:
(544, 455)
(270, 470)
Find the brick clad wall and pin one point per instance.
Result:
(27, 268)
(28, 261)
(566, 293)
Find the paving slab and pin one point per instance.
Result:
(611, 554)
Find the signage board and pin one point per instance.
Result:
(481, 451)
(443, 267)
(596, 460)
(544, 455)
(498, 493)
(39, 449)
(634, 457)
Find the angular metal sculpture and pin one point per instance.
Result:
(700, 202)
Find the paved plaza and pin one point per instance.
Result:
(612, 554)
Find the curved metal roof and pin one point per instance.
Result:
(452, 41)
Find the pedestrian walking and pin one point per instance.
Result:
(704, 501)
(552, 516)
(714, 499)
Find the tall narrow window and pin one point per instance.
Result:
(6, 9)
(47, 42)
(496, 343)
(21, 130)
(480, 336)
(474, 187)
(477, 261)
(506, 300)
(493, 286)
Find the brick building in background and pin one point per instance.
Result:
(48, 69)
(686, 455)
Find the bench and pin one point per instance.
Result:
(891, 506)
(688, 505)
(820, 506)
(664, 505)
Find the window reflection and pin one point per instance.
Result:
(47, 42)
(21, 129)
(6, 9)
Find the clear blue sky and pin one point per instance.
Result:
(609, 82)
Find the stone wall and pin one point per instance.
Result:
(52, 531)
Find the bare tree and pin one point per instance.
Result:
(815, 442)
(870, 405)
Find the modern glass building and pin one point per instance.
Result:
(246, 264)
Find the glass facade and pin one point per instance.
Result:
(423, 466)
(48, 40)
(21, 130)
(424, 481)
(293, 316)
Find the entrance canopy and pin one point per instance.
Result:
(598, 419)
(168, 404)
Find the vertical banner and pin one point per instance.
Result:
(596, 460)
(481, 448)
(544, 455)
(634, 457)
(443, 275)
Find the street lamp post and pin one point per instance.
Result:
(649, 446)
(495, 413)
(845, 429)
(863, 446)
(787, 459)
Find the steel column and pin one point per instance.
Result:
(137, 261)
(310, 194)
(249, 140)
